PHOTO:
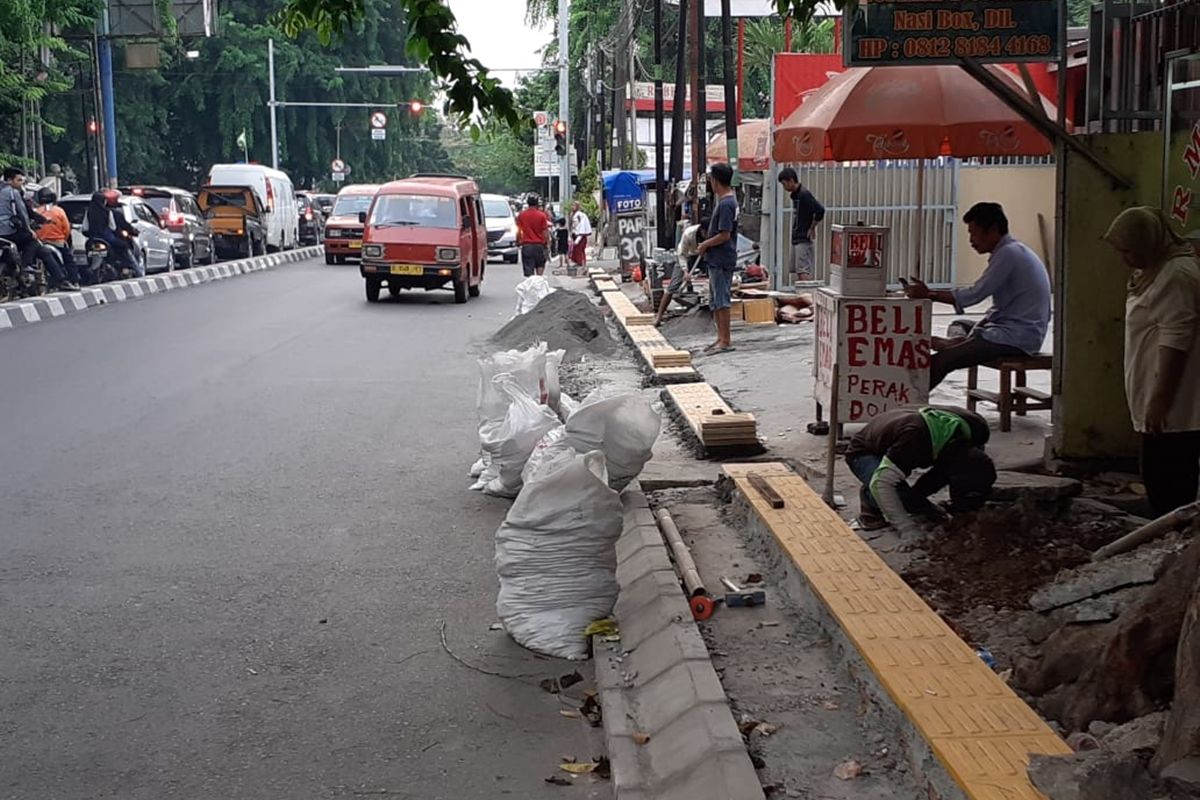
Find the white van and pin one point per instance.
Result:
(274, 190)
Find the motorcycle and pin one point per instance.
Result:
(17, 283)
(102, 266)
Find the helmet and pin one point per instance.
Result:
(111, 196)
(46, 196)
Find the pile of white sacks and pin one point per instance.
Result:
(565, 462)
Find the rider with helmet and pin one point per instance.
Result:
(55, 232)
(105, 220)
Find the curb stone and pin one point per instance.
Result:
(658, 681)
(39, 309)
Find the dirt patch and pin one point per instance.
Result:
(693, 322)
(564, 320)
(1001, 556)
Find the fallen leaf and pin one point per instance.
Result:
(569, 713)
(848, 770)
(747, 724)
(602, 627)
(1006, 675)
(765, 728)
(559, 780)
(641, 738)
(578, 768)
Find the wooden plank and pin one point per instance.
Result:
(766, 490)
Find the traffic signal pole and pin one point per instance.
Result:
(564, 107)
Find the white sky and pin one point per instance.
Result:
(499, 35)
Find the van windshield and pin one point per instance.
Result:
(349, 205)
(414, 209)
(497, 208)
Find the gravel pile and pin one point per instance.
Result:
(564, 320)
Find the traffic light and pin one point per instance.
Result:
(560, 137)
(416, 106)
(93, 127)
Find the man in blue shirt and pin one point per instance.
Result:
(719, 252)
(807, 211)
(1019, 286)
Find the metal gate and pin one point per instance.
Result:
(878, 193)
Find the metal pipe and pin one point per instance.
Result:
(109, 109)
(564, 105)
(679, 551)
(731, 115)
(678, 110)
(660, 177)
(271, 103)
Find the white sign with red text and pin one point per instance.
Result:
(881, 347)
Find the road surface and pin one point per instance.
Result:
(233, 519)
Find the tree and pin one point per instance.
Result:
(765, 38)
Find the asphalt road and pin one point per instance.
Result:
(233, 518)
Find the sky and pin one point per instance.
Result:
(499, 35)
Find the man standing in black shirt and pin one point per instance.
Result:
(807, 211)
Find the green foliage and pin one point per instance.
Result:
(500, 160)
(765, 38)
(589, 186)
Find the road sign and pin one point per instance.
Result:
(541, 119)
(378, 120)
(338, 177)
(337, 165)
(938, 32)
(545, 162)
(378, 134)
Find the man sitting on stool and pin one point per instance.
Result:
(948, 441)
(1017, 282)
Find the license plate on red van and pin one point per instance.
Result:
(407, 269)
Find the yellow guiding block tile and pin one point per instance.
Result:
(974, 723)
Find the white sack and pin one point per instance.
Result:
(527, 366)
(510, 443)
(530, 292)
(624, 428)
(556, 556)
(550, 444)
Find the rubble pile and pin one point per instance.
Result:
(564, 320)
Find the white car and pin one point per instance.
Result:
(154, 246)
(281, 214)
(501, 227)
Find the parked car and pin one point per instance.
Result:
(236, 217)
(312, 221)
(184, 221)
(343, 231)
(425, 232)
(154, 247)
(324, 202)
(501, 227)
(276, 196)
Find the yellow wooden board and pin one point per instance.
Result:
(973, 721)
(698, 401)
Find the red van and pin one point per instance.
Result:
(343, 231)
(425, 232)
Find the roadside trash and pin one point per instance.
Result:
(569, 713)
(556, 556)
(986, 656)
(511, 443)
(495, 626)
(624, 427)
(848, 770)
(579, 767)
(641, 738)
(753, 577)
(528, 369)
(591, 709)
(530, 292)
(765, 729)
(559, 780)
(606, 627)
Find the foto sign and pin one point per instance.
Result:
(882, 32)
(881, 347)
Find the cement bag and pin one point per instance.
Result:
(554, 360)
(530, 292)
(567, 406)
(549, 445)
(527, 366)
(556, 556)
(510, 443)
(624, 428)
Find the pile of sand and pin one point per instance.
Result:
(564, 320)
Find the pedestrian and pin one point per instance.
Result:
(581, 231)
(946, 441)
(719, 253)
(807, 211)
(533, 237)
(1019, 286)
(681, 273)
(1162, 352)
(562, 241)
(56, 232)
(15, 224)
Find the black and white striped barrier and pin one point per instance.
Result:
(50, 306)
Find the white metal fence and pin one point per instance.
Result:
(879, 193)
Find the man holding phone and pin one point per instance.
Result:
(1018, 285)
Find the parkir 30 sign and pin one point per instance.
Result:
(920, 32)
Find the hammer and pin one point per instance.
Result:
(737, 596)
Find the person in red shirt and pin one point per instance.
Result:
(533, 235)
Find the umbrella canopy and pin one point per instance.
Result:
(869, 113)
(754, 146)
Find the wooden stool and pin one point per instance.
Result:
(1010, 397)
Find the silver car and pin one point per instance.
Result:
(154, 245)
(501, 227)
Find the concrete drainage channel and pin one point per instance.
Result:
(52, 306)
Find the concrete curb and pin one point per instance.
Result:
(658, 681)
(51, 306)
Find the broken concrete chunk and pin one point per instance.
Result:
(1184, 777)
(1144, 733)
(1092, 580)
(1091, 775)
(1042, 488)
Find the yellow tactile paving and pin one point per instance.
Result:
(975, 724)
(697, 402)
(625, 311)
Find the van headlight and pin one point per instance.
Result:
(373, 250)
(447, 254)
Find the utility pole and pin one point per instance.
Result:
(731, 115)
(619, 119)
(699, 109)
(678, 115)
(603, 140)
(109, 107)
(271, 103)
(564, 106)
(633, 131)
(660, 177)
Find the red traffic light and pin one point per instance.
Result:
(416, 106)
(560, 127)
(92, 126)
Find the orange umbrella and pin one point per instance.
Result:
(869, 113)
(754, 146)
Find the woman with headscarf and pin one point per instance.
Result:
(1162, 353)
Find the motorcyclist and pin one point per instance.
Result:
(106, 221)
(15, 224)
(54, 232)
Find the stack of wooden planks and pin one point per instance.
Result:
(719, 429)
(711, 419)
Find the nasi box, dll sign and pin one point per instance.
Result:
(858, 260)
